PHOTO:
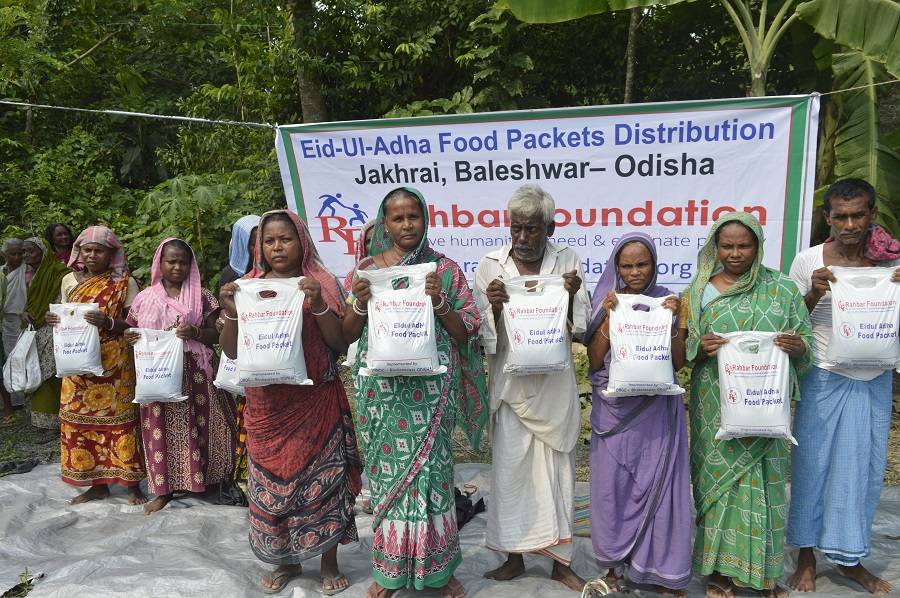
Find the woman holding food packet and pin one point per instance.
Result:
(304, 470)
(734, 305)
(640, 479)
(188, 444)
(406, 420)
(98, 432)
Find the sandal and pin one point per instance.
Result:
(725, 587)
(284, 576)
(332, 581)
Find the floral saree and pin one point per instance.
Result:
(98, 430)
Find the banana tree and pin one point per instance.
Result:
(759, 34)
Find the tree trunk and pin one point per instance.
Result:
(758, 81)
(633, 22)
(312, 102)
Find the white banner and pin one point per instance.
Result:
(668, 170)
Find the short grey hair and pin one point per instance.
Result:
(9, 243)
(531, 200)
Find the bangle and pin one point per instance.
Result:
(112, 323)
(445, 312)
(676, 332)
(198, 333)
(321, 313)
(358, 311)
(441, 304)
(227, 317)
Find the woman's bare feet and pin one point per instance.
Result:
(377, 591)
(777, 592)
(98, 492)
(453, 589)
(862, 576)
(564, 575)
(135, 496)
(615, 582)
(804, 578)
(511, 569)
(157, 503)
(274, 582)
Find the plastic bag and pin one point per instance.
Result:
(754, 387)
(865, 317)
(641, 349)
(158, 366)
(270, 324)
(535, 322)
(401, 324)
(22, 370)
(227, 376)
(76, 344)
(352, 354)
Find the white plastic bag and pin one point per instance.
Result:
(754, 387)
(535, 323)
(158, 366)
(865, 317)
(227, 376)
(352, 352)
(270, 324)
(76, 344)
(401, 324)
(640, 349)
(22, 370)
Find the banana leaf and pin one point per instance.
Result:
(557, 11)
(868, 26)
(859, 150)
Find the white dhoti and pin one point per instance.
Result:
(532, 491)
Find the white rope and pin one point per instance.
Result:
(190, 119)
(828, 93)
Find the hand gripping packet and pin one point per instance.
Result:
(22, 370)
(402, 339)
(227, 376)
(270, 326)
(158, 366)
(640, 348)
(76, 344)
(754, 387)
(535, 322)
(865, 317)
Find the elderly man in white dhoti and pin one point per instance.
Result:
(535, 419)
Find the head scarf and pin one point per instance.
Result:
(44, 286)
(880, 245)
(310, 263)
(360, 251)
(707, 265)
(238, 248)
(381, 241)
(611, 281)
(101, 235)
(157, 311)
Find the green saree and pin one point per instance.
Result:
(739, 485)
(406, 425)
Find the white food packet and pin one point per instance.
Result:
(640, 348)
(865, 318)
(270, 326)
(22, 370)
(76, 344)
(402, 339)
(158, 366)
(227, 376)
(754, 387)
(535, 320)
